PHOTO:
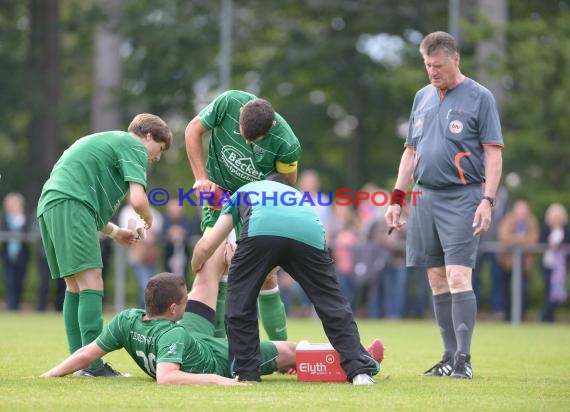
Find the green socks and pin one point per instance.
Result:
(70, 320)
(272, 314)
(90, 316)
(271, 311)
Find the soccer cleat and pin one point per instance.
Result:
(376, 350)
(287, 371)
(462, 368)
(104, 371)
(363, 379)
(442, 368)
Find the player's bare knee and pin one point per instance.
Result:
(270, 281)
(215, 267)
(437, 281)
(459, 278)
(459, 282)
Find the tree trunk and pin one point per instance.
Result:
(45, 126)
(491, 52)
(105, 114)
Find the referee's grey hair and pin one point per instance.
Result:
(438, 40)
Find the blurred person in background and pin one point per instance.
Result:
(519, 227)
(370, 260)
(177, 233)
(345, 235)
(555, 233)
(15, 252)
(395, 274)
(497, 288)
(310, 182)
(143, 255)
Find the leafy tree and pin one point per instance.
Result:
(537, 114)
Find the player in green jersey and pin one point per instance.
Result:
(85, 188)
(249, 142)
(172, 340)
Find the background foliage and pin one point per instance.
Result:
(342, 72)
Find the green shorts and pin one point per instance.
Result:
(200, 326)
(70, 237)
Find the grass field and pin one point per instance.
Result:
(525, 368)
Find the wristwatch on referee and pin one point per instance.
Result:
(491, 200)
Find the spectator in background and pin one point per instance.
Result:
(42, 297)
(310, 182)
(519, 227)
(293, 297)
(555, 232)
(418, 293)
(370, 260)
(497, 294)
(15, 252)
(395, 275)
(145, 253)
(345, 239)
(177, 233)
(368, 212)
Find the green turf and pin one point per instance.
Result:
(516, 368)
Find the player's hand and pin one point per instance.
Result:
(482, 219)
(233, 382)
(228, 255)
(204, 185)
(126, 237)
(147, 221)
(392, 218)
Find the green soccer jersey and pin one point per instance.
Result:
(150, 342)
(96, 170)
(231, 162)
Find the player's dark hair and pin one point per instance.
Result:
(149, 123)
(161, 291)
(256, 118)
(279, 178)
(438, 40)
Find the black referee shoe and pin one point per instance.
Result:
(443, 368)
(462, 367)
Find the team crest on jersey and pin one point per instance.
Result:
(258, 152)
(456, 126)
(172, 349)
(239, 164)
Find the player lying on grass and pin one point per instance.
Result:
(172, 340)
